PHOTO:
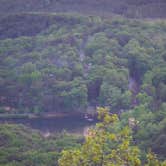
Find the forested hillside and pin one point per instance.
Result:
(104, 8)
(65, 62)
(67, 57)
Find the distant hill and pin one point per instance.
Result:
(128, 8)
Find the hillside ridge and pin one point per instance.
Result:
(105, 8)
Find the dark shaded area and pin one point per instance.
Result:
(159, 144)
(94, 92)
(129, 8)
(137, 68)
(22, 24)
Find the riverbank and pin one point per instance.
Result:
(13, 116)
(37, 116)
(50, 123)
(49, 115)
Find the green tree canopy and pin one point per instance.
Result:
(104, 147)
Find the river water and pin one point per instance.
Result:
(73, 125)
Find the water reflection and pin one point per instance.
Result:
(74, 125)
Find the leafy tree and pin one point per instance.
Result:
(104, 147)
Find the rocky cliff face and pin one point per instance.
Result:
(128, 8)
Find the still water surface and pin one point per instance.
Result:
(73, 125)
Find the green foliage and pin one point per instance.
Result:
(21, 146)
(43, 67)
(149, 132)
(64, 63)
(103, 146)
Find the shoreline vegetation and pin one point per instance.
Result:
(50, 115)
(38, 116)
(82, 71)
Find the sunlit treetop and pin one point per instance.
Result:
(104, 147)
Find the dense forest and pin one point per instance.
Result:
(104, 8)
(73, 63)
(66, 63)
